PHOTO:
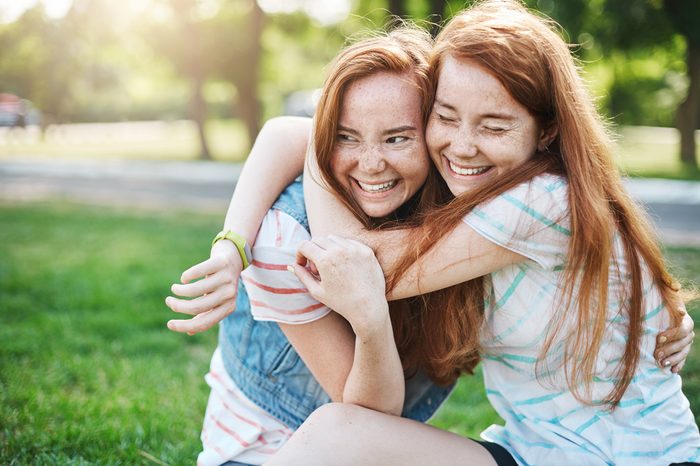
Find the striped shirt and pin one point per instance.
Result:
(544, 423)
(235, 428)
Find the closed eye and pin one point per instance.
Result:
(444, 118)
(495, 129)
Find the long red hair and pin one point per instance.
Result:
(535, 65)
(418, 328)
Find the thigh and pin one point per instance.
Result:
(341, 434)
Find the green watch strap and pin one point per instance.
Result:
(239, 241)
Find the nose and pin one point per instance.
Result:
(371, 160)
(463, 143)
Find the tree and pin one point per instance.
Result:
(685, 16)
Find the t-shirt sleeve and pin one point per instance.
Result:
(275, 293)
(530, 219)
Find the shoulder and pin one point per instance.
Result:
(531, 219)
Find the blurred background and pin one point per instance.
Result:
(123, 126)
(206, 73)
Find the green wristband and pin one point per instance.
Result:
(241, 245)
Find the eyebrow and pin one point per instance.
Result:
(398, 129)
(494, 115)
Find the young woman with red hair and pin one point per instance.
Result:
(556, 280)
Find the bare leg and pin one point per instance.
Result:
(343, 434)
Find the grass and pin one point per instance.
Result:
(88, 372)
(227, 139)
(641, 151)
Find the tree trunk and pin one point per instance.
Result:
(199, 114)
(249, 105)
(688, 116)
(397, 8)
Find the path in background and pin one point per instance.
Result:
(207, 187)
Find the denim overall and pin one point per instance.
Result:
(265, 366)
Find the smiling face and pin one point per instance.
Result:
(476, 129)
(380, 156)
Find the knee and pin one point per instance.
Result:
(339, 418)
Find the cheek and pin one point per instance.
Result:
(340, 166)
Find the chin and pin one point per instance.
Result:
(375, 212)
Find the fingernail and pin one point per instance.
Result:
(662, 339)
(667, 363)
(290, 268)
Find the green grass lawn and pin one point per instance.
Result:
(88, 372)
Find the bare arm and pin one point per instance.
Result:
(460, 256)
(212, 284)
(351, 282)
(277, 157)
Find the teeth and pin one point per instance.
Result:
(467, 171)
(375, 188)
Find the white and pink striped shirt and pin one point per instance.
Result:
(235, 428)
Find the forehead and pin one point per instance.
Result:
(463, 83)
(389, 95)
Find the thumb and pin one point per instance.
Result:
(307, 279)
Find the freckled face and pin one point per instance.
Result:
(380, 154)
(477, 130)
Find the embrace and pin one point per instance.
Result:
(459, 204)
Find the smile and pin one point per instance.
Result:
(467, 171)
(376, 188)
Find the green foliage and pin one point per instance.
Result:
(107, 61)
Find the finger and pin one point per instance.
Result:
(309, 281)
(670, 335)
(673, 347)
(204, 286)
(676, 358)
(203, 321)
(678, 367)
(208, 267)
(310, 251)
(197, 305)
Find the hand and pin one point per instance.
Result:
(214, 295)
(346, 277)
(673, 345)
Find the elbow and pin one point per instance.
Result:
(393, 406)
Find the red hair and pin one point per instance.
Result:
(536, 67)
(405, 51)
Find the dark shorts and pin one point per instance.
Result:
(500, 454)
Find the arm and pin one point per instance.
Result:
(214, 296)
(351, 282)
(460, 256)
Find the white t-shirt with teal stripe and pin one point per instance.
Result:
(545, 424)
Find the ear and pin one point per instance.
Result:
(547, 135)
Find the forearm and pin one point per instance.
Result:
(376, 380)
(281, 144)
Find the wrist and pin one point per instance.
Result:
(373, 325)
(239, 242)
(226, 249)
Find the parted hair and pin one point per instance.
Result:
(534, 64)
(404, 51)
